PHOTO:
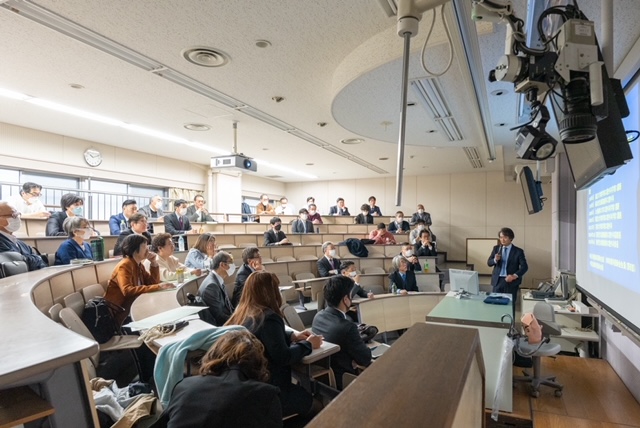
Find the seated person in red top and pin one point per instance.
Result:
(400, 225)
(314, 215)
(381, 236)
(424, 246)
(364, 217)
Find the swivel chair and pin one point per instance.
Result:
(545, 315)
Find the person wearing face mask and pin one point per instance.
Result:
(76, 247)
(177, 222)
(153, 211)
(415, 233)
(348, 269)
(213, 292)
(328, 264)
(302, 223)
(425, 246)
(28, 202)
(285, 208)
(421, 214)
(264, 207)
(251, 262)
(72, 205)
(163, 245)
(118, 223)
(364, 217)
(314, 215)
(10, 223)
(275, 236)
(138, 225)
(400, 225)
(408, 253)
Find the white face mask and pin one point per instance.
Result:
(303, 217)
(400, 219)
(182, 211)
(13, 224)
(421, 227)
(86, 233)
(353, 274)
(33, 199)
(232, 269)
(312, 212)
(420, 211)
(408, 253)
(365, 213)
(332, 253)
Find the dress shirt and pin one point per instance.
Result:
(505, 257)
(23, 207)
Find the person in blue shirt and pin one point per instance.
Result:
(77, 246)
(118, 223)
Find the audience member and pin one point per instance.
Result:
(348, 269)
(137, 225)
(403, 278)
(153, 211)
(164, 247)
(328, 264)
(118, 223)
(9, 224)
(234, 371)
(310, 201)
(202, 252)
(433, 235)
(284, 208)
(197, 212)
(302, 223)
(177, 222)
(381, 236)
(275, 236)
(424, 246)
(28, 202)
(264, 207)
(213, 292)
(407, 252)
(421, 214)
(339, 208)
(76, 247)
(251, 262)
(314, 215)
(130, 279)
(374, 209)
(259, 311)
(364, 217)
(415, 233)
(399, 225)
(332, 323)
(72, 205)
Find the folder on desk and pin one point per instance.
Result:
(379, 350)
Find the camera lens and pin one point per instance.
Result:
(579, 124)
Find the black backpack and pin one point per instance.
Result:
(99, 317)
(356, 247)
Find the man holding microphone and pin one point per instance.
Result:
(509, 265)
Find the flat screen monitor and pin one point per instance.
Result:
(466, 280)
(532, 190)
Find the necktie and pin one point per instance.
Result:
(505, 255)
(227, 302)
(181, 222)
(404, 277)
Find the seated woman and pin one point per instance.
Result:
(259, 311)
(76, 247)
(163, 245)
(230, 391)
(200, 255)
(130, 279)
(403, 278)
(72, 205)
(138, 225)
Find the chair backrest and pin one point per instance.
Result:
(91, 291)
(285, 259)
(54, 312)
(12, 263)
(320, 299)
(304, 275)
(226, 246)
(374, 269)
(293, 319)
(310, 257)
(72, 321)
(75, 302)
(266, 260)
(316, 287)
(546, 316)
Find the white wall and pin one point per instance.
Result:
(255, 186)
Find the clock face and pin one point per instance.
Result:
(93, 157)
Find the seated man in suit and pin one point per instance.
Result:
(213, 292)
(177, 222)
(421, 214)
(328, 264)
(275, 236)
(348, 269)
(403, 278)
(251, 262)
(399, 225)
(339, 208)
(9, 224)
(118, 223)
(314, 215)
(302, 224)
(424, 246)
(365, 216)
(381, 236)
(137, 225)
(374, 210)
(153, 211)
(415, 233)
(408, 253)
(28, 202)
(197, 212)
(335, 327)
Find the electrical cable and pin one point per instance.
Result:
(426, 42)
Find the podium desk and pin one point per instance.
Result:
(474, 313)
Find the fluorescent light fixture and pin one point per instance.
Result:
(202, 146)
(13, 95)
(74, 111)
(429, 93)
(284, 169)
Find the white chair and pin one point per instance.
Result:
(54, 312)
(285, 259)
(373, 269)
(226, 246)
(75, 302)
(91, 291)
(308, 257)
(289, 295)
(292, 318)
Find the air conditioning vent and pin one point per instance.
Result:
(473, 156)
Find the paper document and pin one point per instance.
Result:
(169, 316)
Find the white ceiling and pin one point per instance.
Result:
(333, 61)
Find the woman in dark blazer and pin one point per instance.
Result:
(259, 311)
(230, 391)
(72, 205)
(402, 276)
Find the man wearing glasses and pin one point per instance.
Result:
(10, 223)
(28, 202)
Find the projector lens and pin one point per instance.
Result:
(579, 124)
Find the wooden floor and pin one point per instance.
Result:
(593, 397)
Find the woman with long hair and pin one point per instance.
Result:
(202, 252)
(259, 311)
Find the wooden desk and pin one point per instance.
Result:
(21, 405)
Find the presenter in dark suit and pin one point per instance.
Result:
(339, 208)
(402, 277)
(234, 370)
(334, 325)
(213, 292)
(328, 264)
(177, 222)
(302, 224)
(275, 236)
(509, 265)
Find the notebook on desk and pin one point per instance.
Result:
(379, 350)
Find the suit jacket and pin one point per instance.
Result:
(117, 249)
(424, 216)
(324, 266)
(239, 402)
(298, 226)
(271, 237)
(408, 284)
(335, 210)
(332, 324)
(33, 261)
(54, 224)
(146, 210)
(241, 277)
(214, 294)
(172, 224)
(404, 227)
(114, 223)
(360, 219)
(516, 264)
(421, 250)
(192, 215)
(375, 210)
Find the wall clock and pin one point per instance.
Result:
(93, 157)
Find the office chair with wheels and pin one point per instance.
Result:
(546, 317)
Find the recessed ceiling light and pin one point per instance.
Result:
(322, 124)
(383, 158)
(431, 131)
(205, 56)
(265, 148)
(76, 86)
(501, 124)
(499, 92)
(197, 127)
(277, 99)
(263, 43)
(308, 164)
(352, 141)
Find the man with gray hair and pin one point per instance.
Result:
(328, 264)
(213, 292)
(10, 223)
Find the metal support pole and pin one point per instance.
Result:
(403, 116)
(607, 35)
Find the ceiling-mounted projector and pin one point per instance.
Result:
(238, 162)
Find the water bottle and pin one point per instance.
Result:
(394, 288)
(181, 243)
(123, 226)
(426, 267)
(97, 248)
